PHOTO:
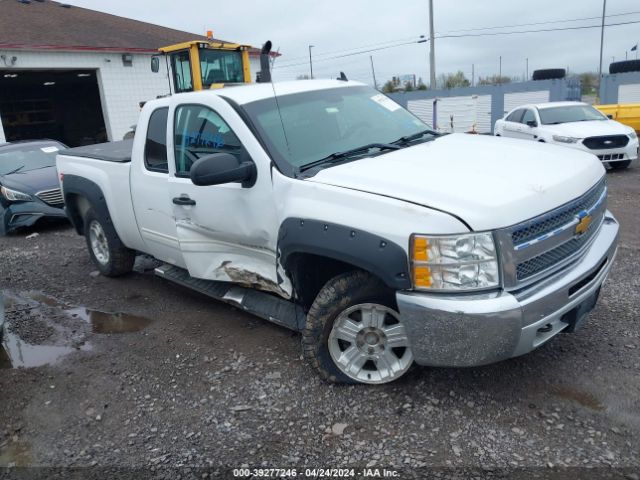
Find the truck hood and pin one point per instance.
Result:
(487, 182)
(592, 128)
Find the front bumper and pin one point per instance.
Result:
(25, 214)
(610, 155)
(477, 329)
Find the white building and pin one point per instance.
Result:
(78, 75)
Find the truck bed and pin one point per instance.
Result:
(119, 152)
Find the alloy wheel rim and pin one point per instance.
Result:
(99, 243)
(369, 343)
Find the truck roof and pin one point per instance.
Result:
(252, 92)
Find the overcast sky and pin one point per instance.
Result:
(341, 27)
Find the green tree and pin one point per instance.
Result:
(494, 80)
(421, 85)
(588, 82)
(452, 80)
(388, 87)
(408, 87)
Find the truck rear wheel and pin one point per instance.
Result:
(105, 247)
(354, 333)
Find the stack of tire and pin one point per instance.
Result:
(549, 74)
(625, 66)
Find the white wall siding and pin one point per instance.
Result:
(456, 114)
(516, 99)
(423, 109)
(121, 88)
(629, 93)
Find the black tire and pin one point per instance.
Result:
(620, 165)
(120, 259)
(549, 73)
(624, 66)
(338, 294)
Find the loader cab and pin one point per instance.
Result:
(200, 65)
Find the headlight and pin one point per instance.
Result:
(633, 135)
(457, 262)
(561, 139)
(14, 195)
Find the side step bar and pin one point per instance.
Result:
(261, 304)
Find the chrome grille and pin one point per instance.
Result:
(555, 256)
(51, 197)
(548, 243)
(549, 222)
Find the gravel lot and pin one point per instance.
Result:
(137, 372)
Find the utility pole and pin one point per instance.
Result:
(310, 61)
(604, 11)
(432, 51)
(473, 74)
(527, 61)
(500, 72)
(373, 72)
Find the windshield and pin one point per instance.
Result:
(221, 66)
(319, 123)
(574, 113)
(27, 157)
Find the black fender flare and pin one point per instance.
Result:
(76, 185)
(372, 253)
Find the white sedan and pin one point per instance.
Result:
(572, 124)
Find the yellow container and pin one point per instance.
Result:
(628, 114)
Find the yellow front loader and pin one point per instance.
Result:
(200, 65)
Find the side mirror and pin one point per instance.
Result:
(532, 123)
(220, 168)
(610, 117)
(155, 64)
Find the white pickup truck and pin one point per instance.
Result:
(327, 208)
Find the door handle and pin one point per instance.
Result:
(183, 201)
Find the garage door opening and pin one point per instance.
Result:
(61, 105)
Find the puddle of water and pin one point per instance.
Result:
(103, 322)
(45, 299)
(15, 455)
(17, 353)
(583, 398)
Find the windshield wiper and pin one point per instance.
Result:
(16, 170)
(415, 136)
(348, 153)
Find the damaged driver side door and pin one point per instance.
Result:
(226, 232)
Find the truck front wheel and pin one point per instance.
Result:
(354, 333)
(105, 247)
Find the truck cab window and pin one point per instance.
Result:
(155, 147)
(181, 71)
(200, 131)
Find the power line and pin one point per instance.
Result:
(388, 44)
(537, 31)
(539, 23)
(490, 34)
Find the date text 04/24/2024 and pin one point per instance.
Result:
(315, 473)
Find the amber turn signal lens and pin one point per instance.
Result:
(421, 276)
(420, 249)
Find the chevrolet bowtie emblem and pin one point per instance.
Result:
(584, 220)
